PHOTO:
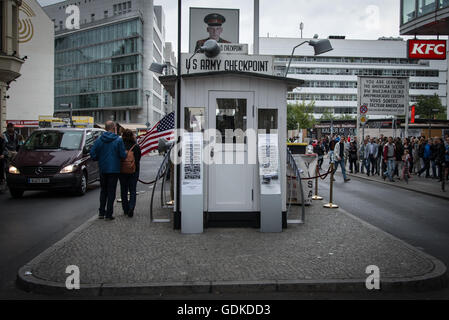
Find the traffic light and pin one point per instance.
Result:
(413, 114)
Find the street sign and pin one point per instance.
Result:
(363, 109)
(384, 96)
(363, 120)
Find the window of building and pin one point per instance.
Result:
(105, 14)
(444, 4)
(426, 6)
(92, 17)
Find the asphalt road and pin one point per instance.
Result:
(420, 220)
(32, 224)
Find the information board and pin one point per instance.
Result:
(268, 151)
(383, 96)
(192, 182)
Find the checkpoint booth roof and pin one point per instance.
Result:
(223, 192)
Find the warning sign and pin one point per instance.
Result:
(383, 96)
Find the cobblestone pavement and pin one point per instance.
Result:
(332, 245)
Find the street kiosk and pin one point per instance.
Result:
(222, 113)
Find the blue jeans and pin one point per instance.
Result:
(128, 184)
(390, 168)
(342, 165)
(108, 184)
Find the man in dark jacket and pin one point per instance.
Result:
(440, 151)
(3, 154)
(108, 151)
(433, 157)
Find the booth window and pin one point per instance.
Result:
(231, 120)
(194, 119)
(268, 119)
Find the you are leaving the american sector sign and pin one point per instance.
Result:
(384, 96)
(227, 62)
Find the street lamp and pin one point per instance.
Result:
(319, 45)
(432, 112)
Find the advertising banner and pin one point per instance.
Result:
(427, 49)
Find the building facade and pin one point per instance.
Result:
(331, 78)
(10, 60)
(102, 69)
(424, 17)
(32, 95)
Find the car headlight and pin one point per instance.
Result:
(13, 170)
(69, 169)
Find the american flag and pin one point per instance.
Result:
(163, 129)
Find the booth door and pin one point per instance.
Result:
(231, 182)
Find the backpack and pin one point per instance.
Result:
(128, 166)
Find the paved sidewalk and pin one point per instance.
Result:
(133, 256)
(418, 184)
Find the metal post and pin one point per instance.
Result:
(256, 26)
(71, 114)
(331, 205)
(316, 196)
(177, 219)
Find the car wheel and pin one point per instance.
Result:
(15, 193)
(82, 187)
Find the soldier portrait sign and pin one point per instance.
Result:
(221, 25)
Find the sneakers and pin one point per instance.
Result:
(109, 219)
(100, 217)
(131, 213)
(347, 180)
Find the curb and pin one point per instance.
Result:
(435, 280)
(400, 187)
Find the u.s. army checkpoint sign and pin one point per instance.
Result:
(227, 62)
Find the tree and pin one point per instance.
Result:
(300, 115)
(346, 117)
(327, 115)
(426, 105)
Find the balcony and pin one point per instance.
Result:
(9, 68)
(424, 17)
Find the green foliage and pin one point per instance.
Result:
(426, 105)
(300, 114)
(346, 117)
(328, 115)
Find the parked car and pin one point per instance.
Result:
(54, 159)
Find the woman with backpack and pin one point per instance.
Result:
(129, 173)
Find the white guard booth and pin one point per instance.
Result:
(232, 174)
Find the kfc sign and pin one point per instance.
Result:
(427, 49)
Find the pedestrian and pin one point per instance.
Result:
(339, 153)
(379, 156)
(129, 174)
(426, 157)
(440, 151)
(346, 144)
(433, 157)
(319, 150)
(446, 158)
(362, 155)
(352, 158)
(389, 158)
(357, 165)
(399, 153)
(406, 166)
(3, 155)
(370, 156)
(108, 151)
(12, 140)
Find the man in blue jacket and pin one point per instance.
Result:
(108, 151)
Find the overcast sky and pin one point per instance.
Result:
(356, 19)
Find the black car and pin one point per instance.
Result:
(54, 159)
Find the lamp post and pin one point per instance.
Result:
(320, 47)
